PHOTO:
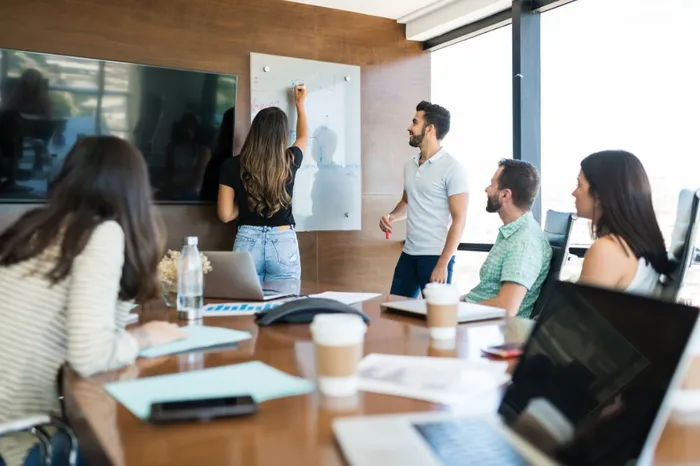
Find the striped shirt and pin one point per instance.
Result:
(78, 321)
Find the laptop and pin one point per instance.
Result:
(591, 388)
(233, 276)
(466, 312)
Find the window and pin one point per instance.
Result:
(465, 274)
(621, 75)
(472, 80)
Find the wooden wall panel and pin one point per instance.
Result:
(218, 35)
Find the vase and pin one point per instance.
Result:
(169, 293)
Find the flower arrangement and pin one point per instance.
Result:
(167, 273)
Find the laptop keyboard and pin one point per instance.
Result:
(469, 441)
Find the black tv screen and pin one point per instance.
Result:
(181, 120)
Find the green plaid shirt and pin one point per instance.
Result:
(521, 254)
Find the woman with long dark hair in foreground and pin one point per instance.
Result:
(69, 272)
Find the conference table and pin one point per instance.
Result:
(294, 430)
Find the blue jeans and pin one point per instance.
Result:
(275, 252)
(412, 273)
(60, 451)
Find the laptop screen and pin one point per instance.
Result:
(594, 373)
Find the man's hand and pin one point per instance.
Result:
(385, 223)
(439, 274)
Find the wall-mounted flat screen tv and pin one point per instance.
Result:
(181, 120)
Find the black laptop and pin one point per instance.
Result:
(591, 388)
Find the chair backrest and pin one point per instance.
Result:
(557, 229)
(681, 251)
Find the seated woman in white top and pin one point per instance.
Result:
(68, 271)
(628, 253)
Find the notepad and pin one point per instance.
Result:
(198, 336)
(253, 378)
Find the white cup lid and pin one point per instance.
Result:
(441, 293)
(347, 324)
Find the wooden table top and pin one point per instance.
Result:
(294, 430)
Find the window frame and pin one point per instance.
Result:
(524, 16)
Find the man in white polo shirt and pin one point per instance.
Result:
(434, 202)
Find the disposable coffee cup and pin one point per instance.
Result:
(442, 301)
(338, 342)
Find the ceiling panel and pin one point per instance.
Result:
(393, 9)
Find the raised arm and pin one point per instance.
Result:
(302, 132)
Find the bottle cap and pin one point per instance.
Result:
(191, 241)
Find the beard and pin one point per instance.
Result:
(415, 140)
(492, 204)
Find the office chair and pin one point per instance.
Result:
(681, 251)
(557, 230)
(36, 425)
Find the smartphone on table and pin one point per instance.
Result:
(505, 351)
(202, 409)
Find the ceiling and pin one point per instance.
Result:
(393, 9)
(424, 19)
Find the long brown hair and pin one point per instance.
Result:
(102, 178)
(266, 163)
(617, 179)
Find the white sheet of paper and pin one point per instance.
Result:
(440, 380)
(346, 298)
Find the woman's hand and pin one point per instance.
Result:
(157, 333)
(299, 93)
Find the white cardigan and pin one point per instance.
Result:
(79, 321)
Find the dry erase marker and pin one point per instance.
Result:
(388, 234)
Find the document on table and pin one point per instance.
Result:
(198, 337)
(243, 309)
(346, 298)
(253, 378)
(440, 380)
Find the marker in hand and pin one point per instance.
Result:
(388, 234)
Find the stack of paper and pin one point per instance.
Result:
(253, 378)
(440, 380)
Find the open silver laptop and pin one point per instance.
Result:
(591, 388)
(233, 276)
(467, 312)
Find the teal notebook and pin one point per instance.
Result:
(198, 337)
(253, 378)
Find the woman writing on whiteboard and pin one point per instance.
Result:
(256, 188)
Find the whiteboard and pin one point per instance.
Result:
(328, 187)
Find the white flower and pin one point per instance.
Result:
(167, 268)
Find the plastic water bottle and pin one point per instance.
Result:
(190, 281)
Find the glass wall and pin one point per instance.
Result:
(472, 80)
(621, 75)
(615, 75)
